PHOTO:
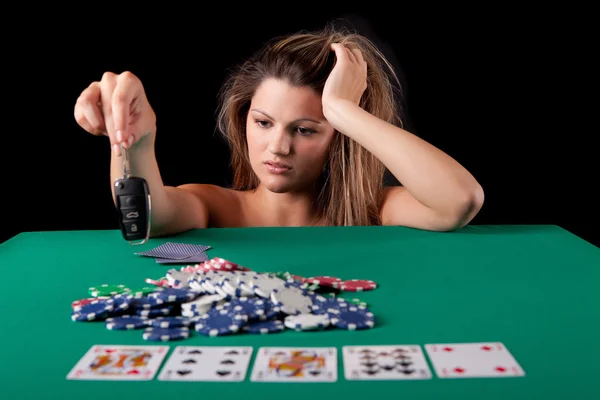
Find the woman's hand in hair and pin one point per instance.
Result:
(348, 79)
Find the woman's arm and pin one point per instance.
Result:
(437, 193)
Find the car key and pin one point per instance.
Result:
(133, 203)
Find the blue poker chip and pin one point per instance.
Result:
(321, 307)
(271, 311)
(123, 303)
(220, 322)
(155, 312)
(172, 295)
(96, 310)
(166, 334)
(126, 322)
(254, 307)
(147, 303)
(262, 327)
(351, 318)
(174, 321)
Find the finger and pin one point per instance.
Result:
(351, 55)
(83, 122)
(359, 58)
(87, 110)
(107, 85)
(340, 52)
(125, 92)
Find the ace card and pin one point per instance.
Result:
(385, 362)
(473, 360)
(105, 362)
(299, 364)
(207, 363)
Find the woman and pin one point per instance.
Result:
(312, 121)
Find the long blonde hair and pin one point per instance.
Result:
(352, 180)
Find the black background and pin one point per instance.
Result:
(500, 90)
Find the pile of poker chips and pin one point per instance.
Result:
(218, 297)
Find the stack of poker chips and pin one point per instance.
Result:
(219, 298)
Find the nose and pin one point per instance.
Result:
(280, 142)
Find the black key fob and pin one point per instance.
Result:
(134, 206)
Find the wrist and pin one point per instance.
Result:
(338, 113)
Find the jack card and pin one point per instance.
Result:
(295, 364)
(385, 362)
(473, 360)
(207, 363)
(104, 362)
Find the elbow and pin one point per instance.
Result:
(466, 208)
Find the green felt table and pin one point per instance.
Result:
(534, 288)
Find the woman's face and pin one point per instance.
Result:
(288, 136)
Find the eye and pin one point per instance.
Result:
(305, 131)
(262, 123)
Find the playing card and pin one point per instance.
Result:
(103, 362)
(471, 360)
(195, 259)
(300, 364)
(385, 362)
(174, 251)
(207, 363)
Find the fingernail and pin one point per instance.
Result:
(130, 140)
(119, 136)
(115, 148)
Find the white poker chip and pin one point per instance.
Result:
(292, 300)
(263, 285)
(307, 322)
(178, 279)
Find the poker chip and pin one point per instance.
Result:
(220, 322)
(218, 297)
(352, 318)
(173, 295)
(307, 322)
(166, 334)
(170, 322)
(263, 327)
(253, 307)
(356, 285)
(147, 303)
(107, 290)
(97, 309)
(291, 300)
(142, 291)
(77, 304)
(154, 312)
(263, 285)
(323, 280)
(126, 322)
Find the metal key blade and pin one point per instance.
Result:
(125, 156)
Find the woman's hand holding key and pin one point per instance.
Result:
(117, 107)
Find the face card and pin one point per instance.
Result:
(207, 363)
(174, 251)
(473, 360)
(103, 362)
(385, 362)
(300, 364)
(195, 259)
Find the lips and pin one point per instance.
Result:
(277, 165)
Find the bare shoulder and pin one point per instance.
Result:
(224, 205)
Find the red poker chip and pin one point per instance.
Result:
(82, 302)
(323, 280)
(356, 285)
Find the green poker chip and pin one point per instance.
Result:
(107, 290)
